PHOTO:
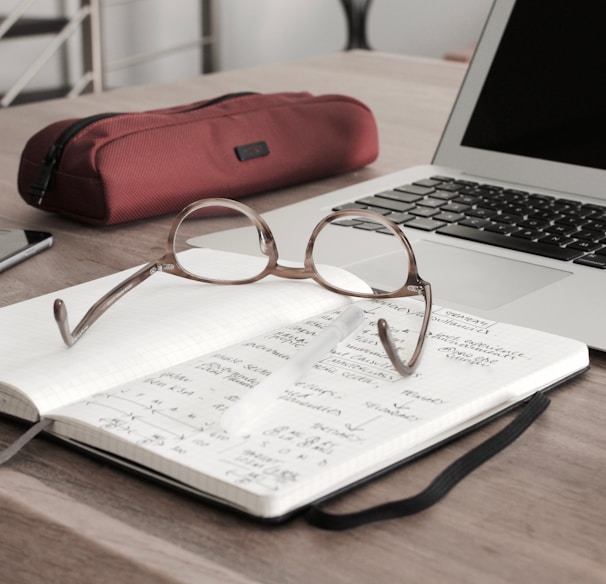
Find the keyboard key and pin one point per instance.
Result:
(400, 217)
(528, 234)
(425, 224)
(489, 204)
(449, 217)
(427, 182)
(590, 235)
(514, 209)
(517, 193)
(560, 229)
(593, 260)
(478, 192)
(533, 223)
(584, 245)
(544, 215)
(424, 211)
(383, 203)
(508, 218)
(494, 188)
(466, 199)
(449, 186)
(536, 197)
(512, 198)
(597, 208)
(455, 207)
(503, 228)
(587, 213)
(347, 222)
(368, 226)
(513, 243)
(430, 202)
(572, 220)
(481, 213)
(565, 205)
(598, 225)
(475, 222)
(399, 196)
(444, 195)
(540, 205)
(415, 190)
(556, 239)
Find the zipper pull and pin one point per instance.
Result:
(42, 182)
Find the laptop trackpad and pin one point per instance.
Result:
(465, 277)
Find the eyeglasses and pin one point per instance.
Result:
(262, 241)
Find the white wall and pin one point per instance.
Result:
(265, 31)
(429, 28)
(250, 32)
(143, 27)
(268, 31)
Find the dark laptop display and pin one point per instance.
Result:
(542, 97)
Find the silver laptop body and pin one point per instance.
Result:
(529, 117)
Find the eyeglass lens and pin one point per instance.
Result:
(338, 244)
(191, 234)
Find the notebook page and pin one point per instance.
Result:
(163, 321)
(352, 415)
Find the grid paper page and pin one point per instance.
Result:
(162, 322)
(351, 416)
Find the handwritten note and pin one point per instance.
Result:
(353, 412)
(165, 321)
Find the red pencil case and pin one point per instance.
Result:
(111, 168)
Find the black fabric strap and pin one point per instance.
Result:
(445, 481)
(17, 445)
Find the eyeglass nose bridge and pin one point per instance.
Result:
(293, 272)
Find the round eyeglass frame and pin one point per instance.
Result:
(169, 263)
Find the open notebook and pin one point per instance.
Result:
(148, 384)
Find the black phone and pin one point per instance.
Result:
(16, 245)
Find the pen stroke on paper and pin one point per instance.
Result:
(350, 399)
(244, 414)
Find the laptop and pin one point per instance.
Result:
(529, 123)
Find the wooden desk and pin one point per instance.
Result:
(536, 513)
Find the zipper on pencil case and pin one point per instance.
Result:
(42, 182)
(46, 172)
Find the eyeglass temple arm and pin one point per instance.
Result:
(97, 309)
(390, 346)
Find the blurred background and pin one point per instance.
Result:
(50, 48)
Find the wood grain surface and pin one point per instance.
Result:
(535, 513)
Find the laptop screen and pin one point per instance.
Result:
(542, 95)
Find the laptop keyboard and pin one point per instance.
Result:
(543, 225)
